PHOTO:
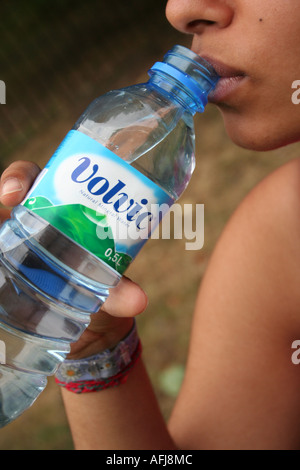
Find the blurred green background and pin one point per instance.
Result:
(55, 58)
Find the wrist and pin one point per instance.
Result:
(103, 370)
(93, 342)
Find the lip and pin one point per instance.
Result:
(230, 79)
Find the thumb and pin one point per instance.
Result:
(16, 181)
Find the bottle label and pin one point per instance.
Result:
(98, 200)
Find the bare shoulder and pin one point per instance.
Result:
(241, 389)
(268, 221)
(278, 194)
(259, 250)
(268, 218)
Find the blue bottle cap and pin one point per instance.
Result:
(191, 77)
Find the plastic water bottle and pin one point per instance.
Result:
(88, 214)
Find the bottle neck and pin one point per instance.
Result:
(185, 77)
(177, 93)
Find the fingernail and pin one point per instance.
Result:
(10, 186)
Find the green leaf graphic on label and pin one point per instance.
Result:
(85, 226)
(37, 202)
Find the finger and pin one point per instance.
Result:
(16, 181)
(4, 215)
(127, 299)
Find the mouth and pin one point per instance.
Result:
(230, 80)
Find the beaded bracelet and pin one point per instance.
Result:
(100, 371)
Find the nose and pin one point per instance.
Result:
(194, 16)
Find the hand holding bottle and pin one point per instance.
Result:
(69, 240)
(114, 319)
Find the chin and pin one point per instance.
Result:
(258, 136)
(255, 144)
